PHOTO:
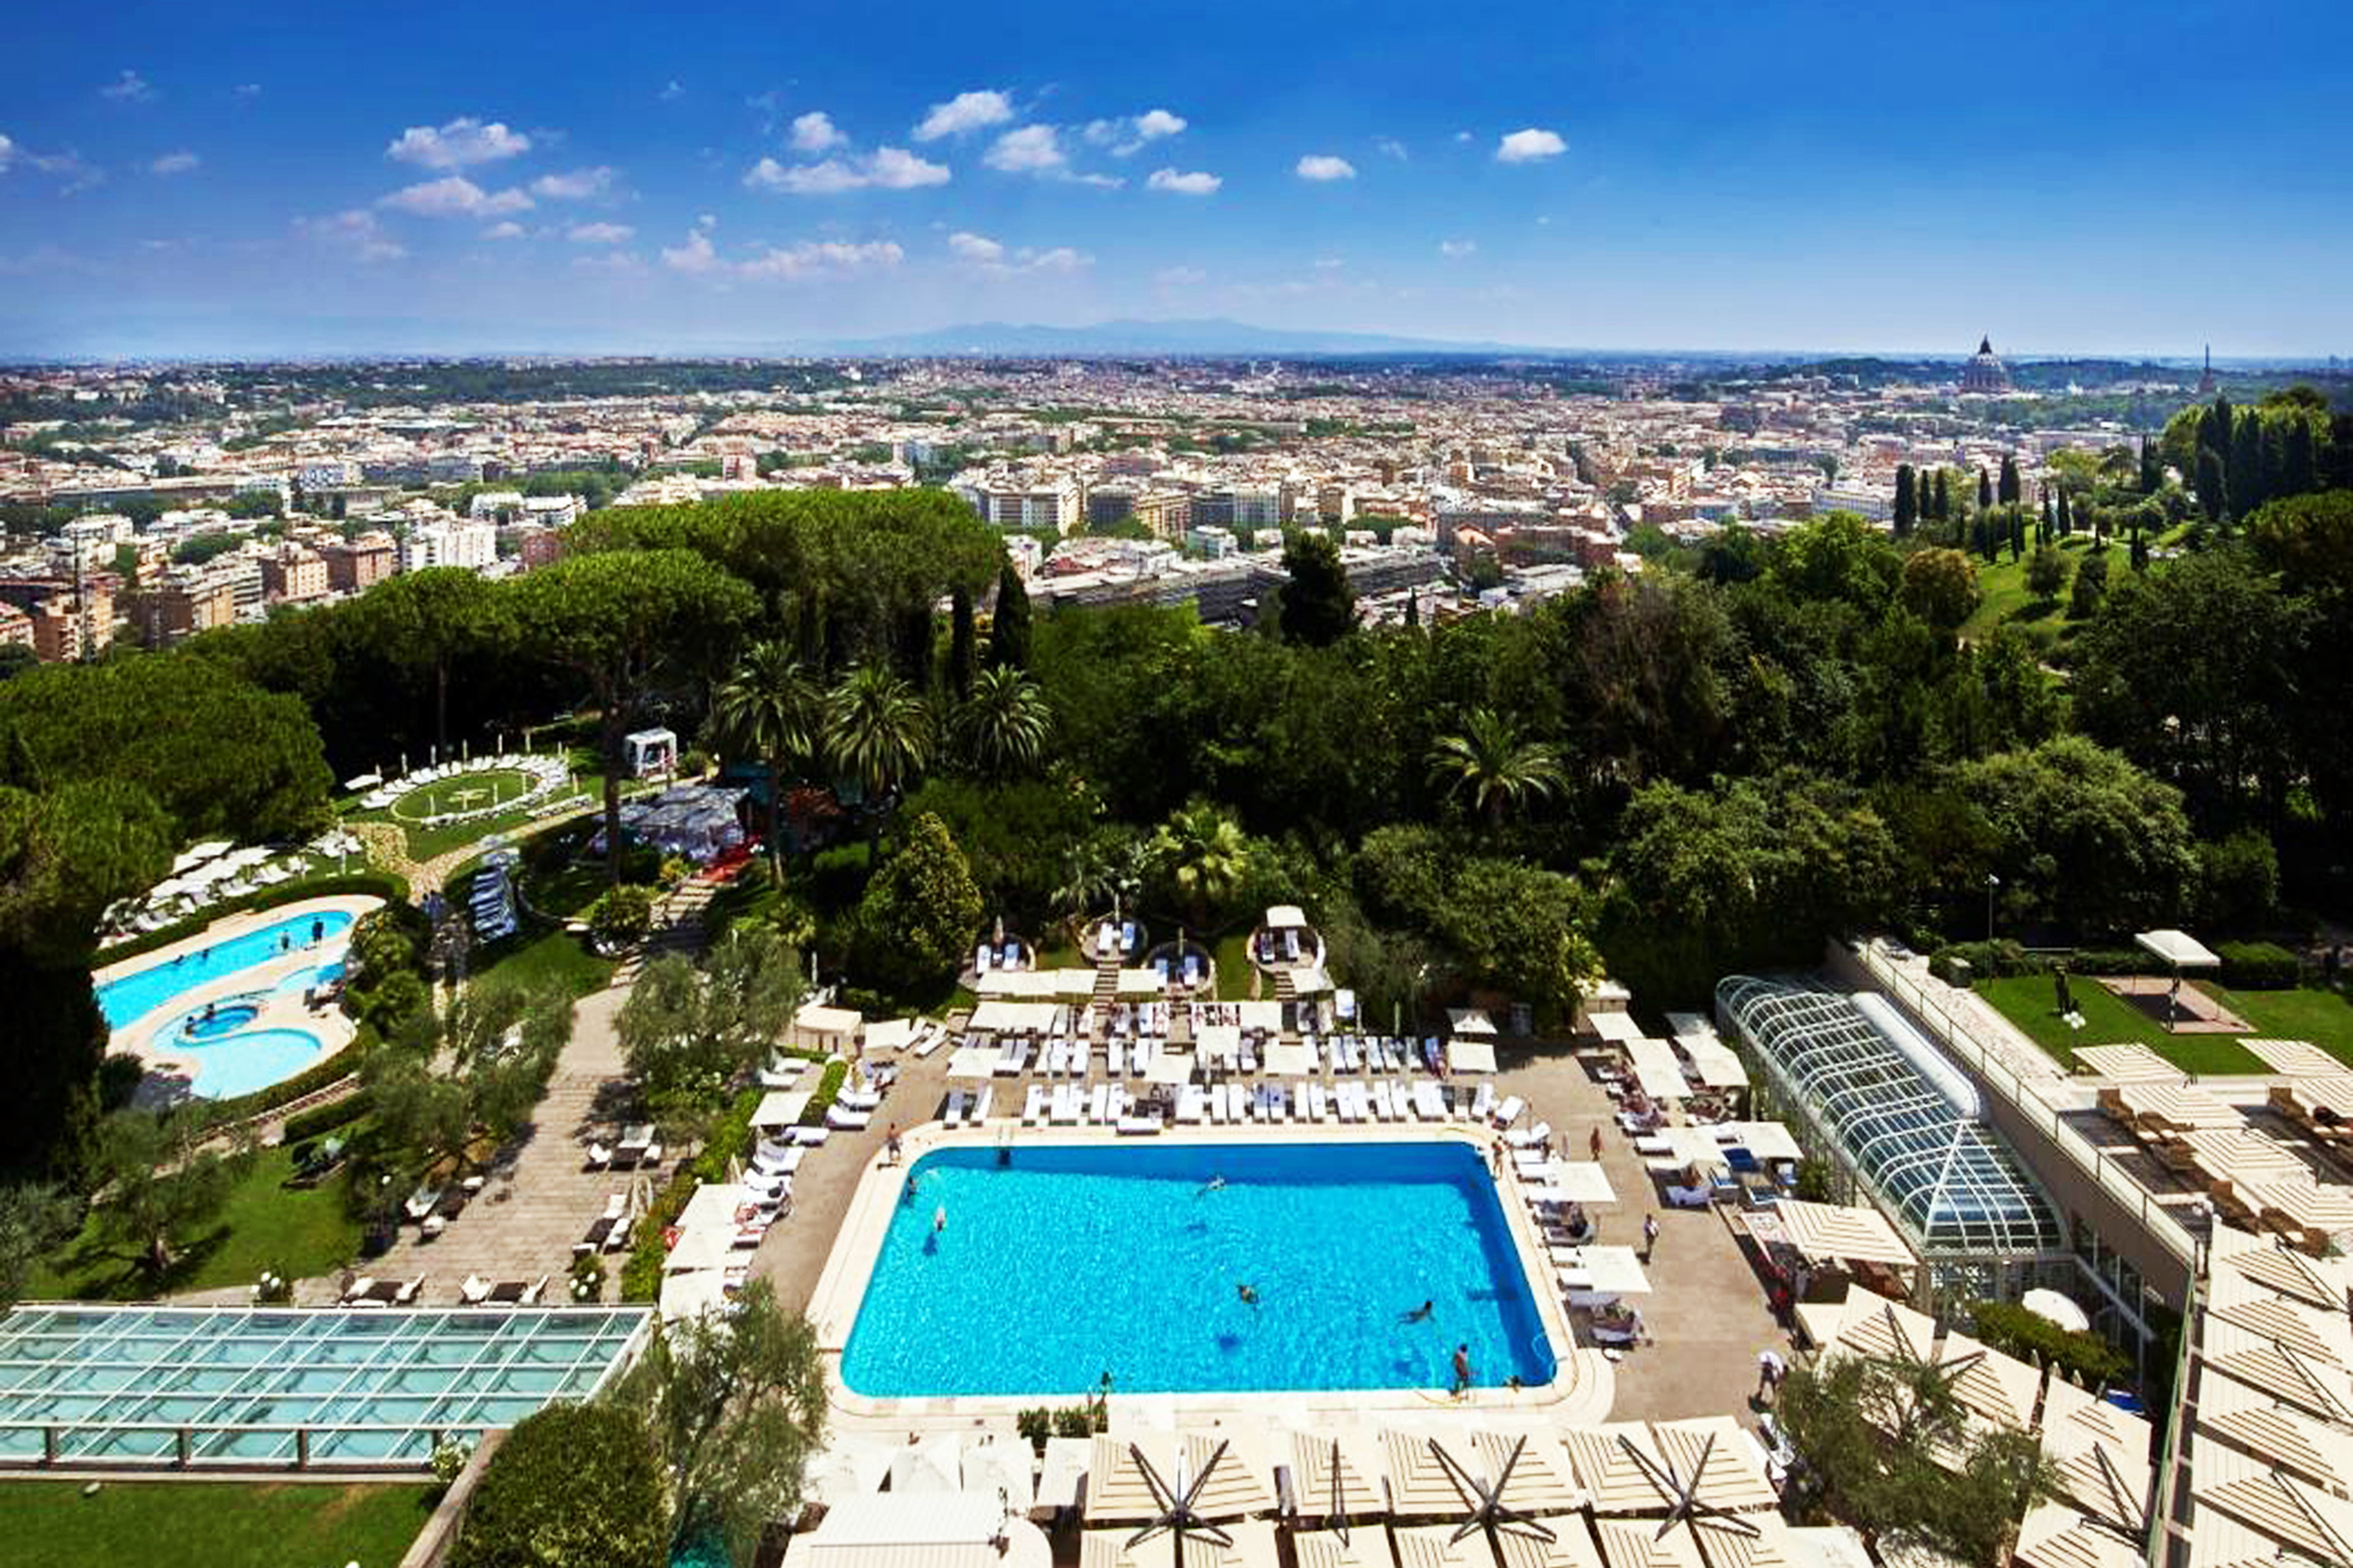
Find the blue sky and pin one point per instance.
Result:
(2068, 177)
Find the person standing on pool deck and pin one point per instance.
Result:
(1461, 1368)
(1649, 1236)
(1594, 1143)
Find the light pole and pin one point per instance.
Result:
(1993, 885)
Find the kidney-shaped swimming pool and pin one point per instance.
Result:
(1188, 1267)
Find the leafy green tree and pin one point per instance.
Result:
(2308, 539)
(34, 1217)
(455, 1082)
(1520, 929)
(2046, 573)
(690, 1030)
(2299, 471)
(158, 1184)
(2245, 472)
(2152, 466)
(2091, 585)
(916, 923)
(770, 709)
(65, 853)
(620, 621)
(1836, 556)
(1200, 854)
(1489, 764)
(878, 731)
(1907, 502)
(1940, 586)
(1004, 724)
(736, 1410)
(428, 621)
(1008, 625)
(2213, 488)
(1318, 607)
(2083, 840)
(573, 1486)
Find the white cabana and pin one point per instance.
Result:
(1018, 983)
(1001, 1017)
(2178, 949)
(691, 1293)
(1769, 1140)
(1713, 1063)
(1001, 1465)
(891, 1034)
(1839, 1233)
(947, 1530)
(1135, 983)
(1618, 1027)
(1657, 1070)
(1577, 1182)
(1168, 1068)
(933, 1465)
(1266, 1016)
(1471, 1021)
(1470, 1056)
(819, 1028)
(1217, 1042)
(844, 1470)
(780, 1108)
(1287, 1059)
(1282, 916)
(1065, 1467)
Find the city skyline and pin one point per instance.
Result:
(2079, 182)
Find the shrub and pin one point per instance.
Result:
(1037, 1425)
(620, 916)
(2258, 965)
(2237, 881)
(588, 1278)
(305, 1125)
(378, 884)
(574, 1486)
(2014, 1331)
(731, 1136)
(641, 1275)
(829, 1084)
(1074, 1421)
(1985, 961)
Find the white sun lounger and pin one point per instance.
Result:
(843, 1119)
(1530, 1138)
(1034, 1107)
(951, 1113)
(1099, 1105)
(1429, 1102)
(1190, 1107)
(1509, 1112)
(1382, 1109)
(987, 1099)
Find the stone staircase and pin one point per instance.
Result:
(677, 928)
(1106, 995)
(1286, 992)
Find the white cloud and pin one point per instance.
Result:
(1329, 263)
(460, 144)
(975, 246)
(75, 176)
(988, 255)
(696, 256)
(965, 111)
(354, 230)
(1179, 277)
(1461, 136)
(7, 151)
(1457, 247)
(1325, 166)
(248, 89)
(813, 258)
(672, 92)
(1032, 149)
(816, 132)
(577, 185)
(455, 197)
(174, 163)
(616, 263)
(599, 233)
(1130, 134)
(886, 169)
(1391, 147)
(128, 87)
(1529, 146)
(1191, 184)
(510, 229)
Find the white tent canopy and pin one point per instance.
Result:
(1135, 983)
(891, 1034)
(1470, 1056)
(2178, 948)
(1285, 915)
(1618, 1028)
(781, 1108)
(829, 1027)
(1217, 1042)
(1471, 1021)
(1018, 983)
(997, 1017)
(1657, 1070)
(1836, 1232)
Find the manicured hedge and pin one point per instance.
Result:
(574, 1486)
(305, 1125)
(2258, 966)
(2015, 1331)
(377, 884)
(2006, 959)
(827, 1085)
(641, 1275)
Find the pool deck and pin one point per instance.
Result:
(1705, 1315)
(140, 1036)
(1581, 1393)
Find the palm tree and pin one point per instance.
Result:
(1495, 767)
(878, 731)
(769, 709)
(1004, 722)
(1203, 854)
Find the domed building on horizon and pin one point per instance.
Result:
(1985, 371)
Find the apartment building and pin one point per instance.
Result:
(355, 565)
(294, 574)
(181, 605)
(449, 543)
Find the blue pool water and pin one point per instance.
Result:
(240, 1064)
(1070, 1262)
(228, 1020)
(136, 994)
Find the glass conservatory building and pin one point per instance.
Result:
(1870, 1095)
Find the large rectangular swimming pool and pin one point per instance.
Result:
(1052, 1265)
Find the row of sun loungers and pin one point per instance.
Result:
(478, 1291)
(370, 1292)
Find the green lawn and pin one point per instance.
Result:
(263, 1226)
(216, 1524)
(544, 952)
(2322, 1017)
(1234, 971)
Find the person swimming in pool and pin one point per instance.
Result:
(1419, 1314)
(1248, 1292)
(1214, 1185)
(939, 1219)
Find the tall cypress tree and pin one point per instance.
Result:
(2211, 499)
(2299, 466)
(2152, 468)
(2245, 473)
(1008, 629)
(1985, 489)
(2009, 479)
(964, 653)
(1944, 495)
(2044, 532)
(1907, 502)
(2066, 516)
(2017, 531)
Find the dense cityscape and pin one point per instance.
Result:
(1294, 788)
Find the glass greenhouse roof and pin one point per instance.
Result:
(249, 1385)
(1903, 1117)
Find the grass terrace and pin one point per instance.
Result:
(219, 1524)
(2323, 1017)
(263, 1224)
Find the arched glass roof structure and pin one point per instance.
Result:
(1905, 1120)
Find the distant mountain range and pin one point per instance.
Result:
(1137, 337)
